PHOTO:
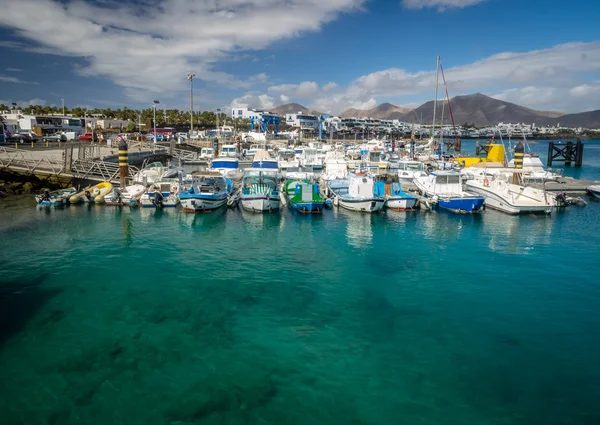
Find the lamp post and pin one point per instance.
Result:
(218, 130)
(63, 105)
(156, 102)
(191, 78)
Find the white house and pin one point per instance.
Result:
(245, 113)
(302, 121)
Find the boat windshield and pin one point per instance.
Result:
(411, 166)
(448, 179)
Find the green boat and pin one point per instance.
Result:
(304, 196)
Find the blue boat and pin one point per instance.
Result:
(229, 167)
(395, 197)
(445, 187)
(209, 191)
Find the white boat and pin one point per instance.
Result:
(356, 193)
(57, 198)
(409, 170)
(594, 191)
(209, 191)
(263, 161)
(502, 194)
(286, 159)
(129, 196)
(151, 173)
(259, 191)
(228, 166)
(335, 166)
(229, 151)
(310, 159)
(161, 194)
(445, 187)
(207, 153)
(534, 169)
(395, 197)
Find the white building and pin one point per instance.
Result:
(106, 124)
(302, 121)
(245, 113)
(47, 123)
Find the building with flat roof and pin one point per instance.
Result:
(302, 121)
(47, 124)
(246, 113)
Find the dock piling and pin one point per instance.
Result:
(123, 163)
(519, 154)
(565, 152)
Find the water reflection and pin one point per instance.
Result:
(516, 234)
(359, 230)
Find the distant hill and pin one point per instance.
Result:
(293, 108)
(385, 111)
(589, 119)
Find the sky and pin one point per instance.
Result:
(330, 55)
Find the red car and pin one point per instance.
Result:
(88, 136)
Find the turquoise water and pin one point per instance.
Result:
(118, 316)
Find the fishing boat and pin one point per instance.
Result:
(356, 193)
(286, 160)
(229, 150)
(209, 191)
(446, 188)
(129, 196)
(409, 170)
(395, 197)
(259, 191)
(56, 198)
(503, 194)
(207, 153)
(93, 194)
(304, 196)
(335, 166)
(162, 194)
(227, 166)
(594, 191)
(151, 173)
(263, 161)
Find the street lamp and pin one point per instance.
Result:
(191, 78)
(63, 103)
(156, 102)
(218, 130)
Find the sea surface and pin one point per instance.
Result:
(119, 316)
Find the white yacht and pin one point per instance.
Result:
(229, 150)
(509, 195)
(227, 166)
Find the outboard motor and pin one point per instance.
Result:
(561, 199)
(46, 195)
(88, 195)
(158, 199)
(117, 195)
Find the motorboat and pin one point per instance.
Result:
(129, 196)
(534, 169)
(310, 159)
(259, 191)
(594, 190)
(149, 174)
(356, 193)
(207, 153)
(208, 192)
(395, 197)
(263, 161)
(228, 166)
(304, 196)
(409, 170)
(445, 187)
(57, 198)
(510, 195)
(335, 166)
(286, 159)
(161, 194)
(229, 151)
(93, 194)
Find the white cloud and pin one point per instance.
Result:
(24, 103)
(284, 99)
(122, 41)
(441, 5)
(329, 87)
(305, 90)
(263, 101)
(565, 69)
(13, 69)
(14, 80)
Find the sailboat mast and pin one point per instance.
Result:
(437, 75)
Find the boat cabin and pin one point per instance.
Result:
(208, 182)
(228, 150)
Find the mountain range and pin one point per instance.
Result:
(477, 109)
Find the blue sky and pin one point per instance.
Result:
(331, 55)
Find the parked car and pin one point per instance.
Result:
(159, 137)
(183, 135)
(56, 137)
(30, 136)
(16, 138)
(88, 136)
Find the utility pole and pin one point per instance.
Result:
(156, 102)
(191, 78)
(63, 104)
(218, 131)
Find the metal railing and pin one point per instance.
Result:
(88, 169)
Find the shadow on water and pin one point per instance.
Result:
(19, 302)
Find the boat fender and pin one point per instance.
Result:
(174, 188)
(486, 182)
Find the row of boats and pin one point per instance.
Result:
(270, 183)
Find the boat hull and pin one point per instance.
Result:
(363, 205)
(401, 203)
(260, 203)
(594, 191)
(497, 202)
(308, 207)
(56, 202)
(465, 204)
(200, 204)
(168, 202)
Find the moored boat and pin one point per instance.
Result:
(93, 194)
(304, 196)
(162, 194)
(502, 194)
(56, 198)
(446, 188)
(356, 193)
(395, 197)
(228, 167)
(127, 197)
(594, 191)
(259, 191)
(208, 192)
